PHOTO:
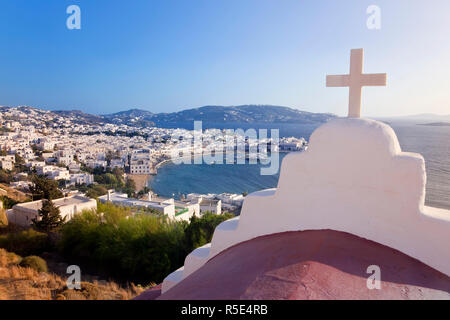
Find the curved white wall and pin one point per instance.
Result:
(353, 178)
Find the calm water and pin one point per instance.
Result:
(432, 142)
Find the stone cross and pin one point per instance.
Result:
(355, 81)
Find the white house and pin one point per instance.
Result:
(96, 164)
(231, 199)
(166, 207)
(35, 164)
(141, 165)
(6, 165)
(185, 210)
(9, 157)
(175, 210)
(208, 202)
(117, 163)
(45, 144)
(210, 205)
(23, 213)
(7, 162)
(74, 167)
(82, 178)
(65, 157)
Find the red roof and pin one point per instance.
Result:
(321, 264)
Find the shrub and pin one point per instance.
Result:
(34, 262)
(8, 203)
(200, 230)
(14, 258)
(95, 191)
(142, 249)
(25, 242)
(9, 258)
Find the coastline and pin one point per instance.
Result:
(192, 156)
(195, 155)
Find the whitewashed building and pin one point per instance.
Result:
(81, 178)
(23, 213)
(65, 157)
(141, 165)
(166, 207)
(6, 165)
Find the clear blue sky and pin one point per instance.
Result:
(166, 55)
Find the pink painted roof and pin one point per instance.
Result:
(310, 265)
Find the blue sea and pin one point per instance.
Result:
(433, 142)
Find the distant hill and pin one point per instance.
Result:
(259, 114)
(436, 124)
(425, 117)
(79, 116)
(236, 114)
(134, 117)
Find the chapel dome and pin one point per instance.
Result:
(322, 264)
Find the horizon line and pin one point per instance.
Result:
(80, 109)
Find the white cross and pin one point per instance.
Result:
(356, 80)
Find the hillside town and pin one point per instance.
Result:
(78, 154)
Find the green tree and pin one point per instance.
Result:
(106, 179)
(19, 159)
(50, 217)
(95, 191)
(44, 188)
(200, 230)
(62, 183)
(130, 188)
(8, 202)
(144, 191)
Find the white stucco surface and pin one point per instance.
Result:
(172, 279)
(196, 259)
(353, 178)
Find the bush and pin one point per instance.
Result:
(25, 242)
(200, 231)
(140, 249)
(9, 258)
(14, 258)
(143, 248)
(95, 191)
(34, 262)
(8, 203)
